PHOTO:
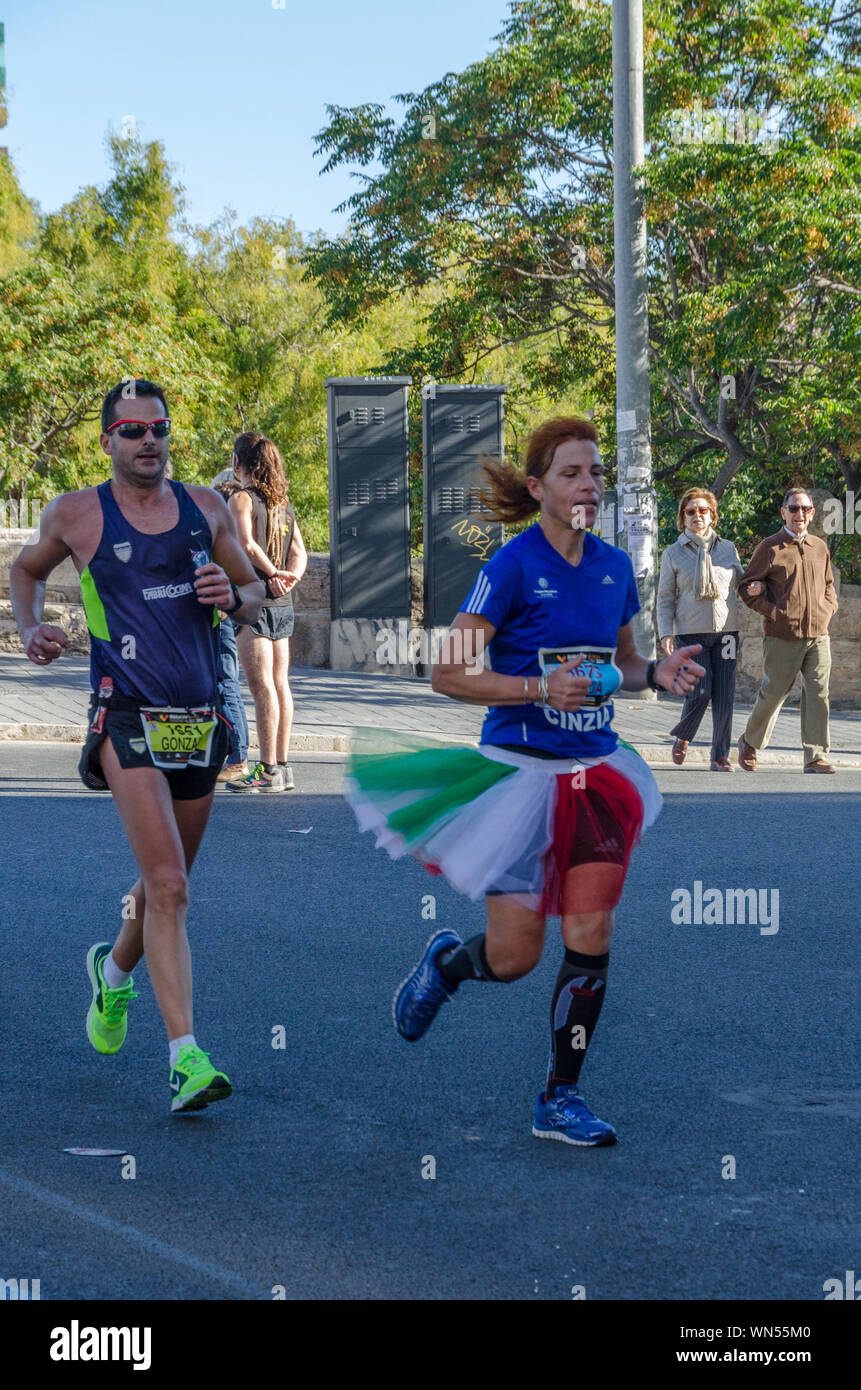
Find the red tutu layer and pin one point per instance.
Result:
(595, 830)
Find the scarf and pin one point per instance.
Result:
(704, 584)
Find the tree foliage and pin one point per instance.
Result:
(480, 249)
(497, 186)
(116, 284)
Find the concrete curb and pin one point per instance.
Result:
(76, 733)
(656, 754)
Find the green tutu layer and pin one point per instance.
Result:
(449, 776)
(486, 824)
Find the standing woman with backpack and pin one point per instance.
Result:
(270, 537)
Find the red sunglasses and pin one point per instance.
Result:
(136, 429)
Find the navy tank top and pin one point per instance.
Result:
(148, 631)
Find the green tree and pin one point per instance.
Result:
(123, 234)
(18, 222)
(265, 323)
(61, 349)
(106, 296)
(497, 186)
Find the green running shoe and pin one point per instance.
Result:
(195, 1082)
(106, 1021)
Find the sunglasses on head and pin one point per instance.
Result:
(136, 429)
(798, 507)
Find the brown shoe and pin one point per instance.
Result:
(746, 755)
(679, 750)
(721, 765)
(230, 774)
(820, 765)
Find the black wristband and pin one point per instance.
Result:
(237, 599)
(650, 675)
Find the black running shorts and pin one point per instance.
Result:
(123, 726)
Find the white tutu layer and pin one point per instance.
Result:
(498, 840)
(624, 760)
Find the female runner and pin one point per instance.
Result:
(542, 817)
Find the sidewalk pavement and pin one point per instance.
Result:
(49, 703)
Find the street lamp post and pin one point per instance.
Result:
(3, 149)
(638, 519)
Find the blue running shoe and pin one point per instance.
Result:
(421, 995)
(566, 1116)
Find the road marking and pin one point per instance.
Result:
(139, 1238)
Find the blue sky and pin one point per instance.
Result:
(235, 89)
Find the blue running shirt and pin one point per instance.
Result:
(535, 598)
(148, 631)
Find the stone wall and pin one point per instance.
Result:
(352, 644)
(845, 633)
(310, 645)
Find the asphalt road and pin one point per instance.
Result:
(716, 1042)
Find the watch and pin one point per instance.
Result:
(650, 675)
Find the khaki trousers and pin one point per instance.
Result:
(782, 659)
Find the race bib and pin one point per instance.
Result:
(596, 662)
(176, 739)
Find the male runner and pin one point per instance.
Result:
(156, 559)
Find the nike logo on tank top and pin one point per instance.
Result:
(148, 631)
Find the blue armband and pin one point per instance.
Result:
(604, 678)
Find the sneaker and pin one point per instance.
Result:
(421, 995)
(258, 780)
(289, 784)
(232, 772)
(566, 1116)
(106, 1021)
(195, 1082)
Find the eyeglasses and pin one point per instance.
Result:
(797, 507)
(136, 429)
(698, 511)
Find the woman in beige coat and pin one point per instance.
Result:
(698, 602)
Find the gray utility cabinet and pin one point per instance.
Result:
(369, 517)
(459, 423)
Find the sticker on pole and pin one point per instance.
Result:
(98, 1153)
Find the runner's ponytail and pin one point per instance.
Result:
(506, 495)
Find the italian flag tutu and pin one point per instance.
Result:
(495, 821)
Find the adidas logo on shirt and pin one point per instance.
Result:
(607, 580)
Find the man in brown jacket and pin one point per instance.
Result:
(789, 581)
